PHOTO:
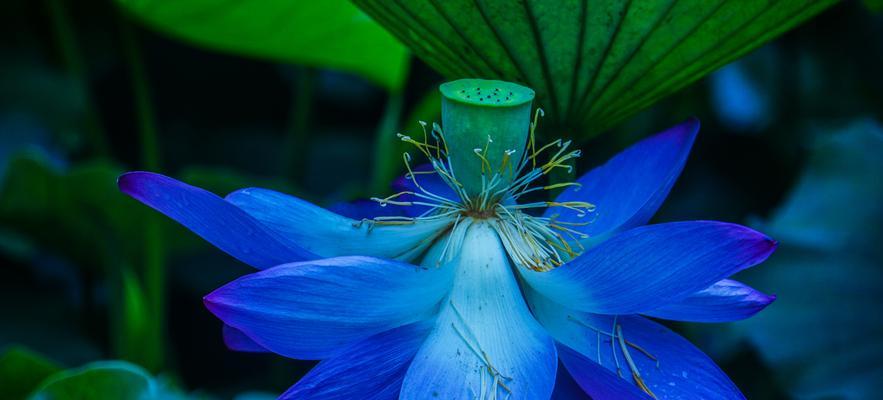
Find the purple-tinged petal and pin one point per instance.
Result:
(215, 220)
(725, 301)
(428, 181)
(596, 380)
(630, 187)
(648, 267)
(371, 369)
(309, 310)
(485, 343)
(238, 341)
(566, 387)
(330, 235)
(631, 348)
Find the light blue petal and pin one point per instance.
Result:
(669, 366)
(596, 380)
(365, 209)
(484, 326)
(372, 369)
(215, 220)
(330, 235)
(725, 301)
(651, 266)
(238, 341)
(308, 310)
(631, 186)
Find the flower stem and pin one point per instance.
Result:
(65, 38)
(154, 273)
(297, 138)
(386, 162)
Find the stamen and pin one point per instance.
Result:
(561, 185)
(481, 354)
(616, 336)
(532, 143)
(505, 163)
(454, 231)
(635, 374)
(537, 243)
(484, 161)
(613, 346)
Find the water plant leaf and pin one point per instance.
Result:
(21, 370)
(101, 380)
(77, 212)
(592, 62)
(328, 34)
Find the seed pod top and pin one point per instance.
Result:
(486, 125)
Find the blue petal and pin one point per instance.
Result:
(648, 267)
(371, 369)
(238, 341)
(330, 235)
(565, 387)
(596, 380)
(484, 326)
(669, 366)
(631, 186)
(310, 309)
(215, 220)
(725, 301)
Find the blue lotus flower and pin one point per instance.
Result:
(463, 289)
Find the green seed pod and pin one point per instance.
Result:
(486, 125)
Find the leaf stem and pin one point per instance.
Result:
(154, 274)
(72, 58)
(386, 162)
(297, 138)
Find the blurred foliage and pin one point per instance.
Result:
(22, 370)
(73, 247)
(110, 380)
(592, 63)
(328, 34)
(821, 336)
(136, 319)
(77, 211)
(26, 374)
(874, 5)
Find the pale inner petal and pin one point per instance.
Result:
(485, 343)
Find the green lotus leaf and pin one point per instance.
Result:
(328, 34)
(593, 63)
